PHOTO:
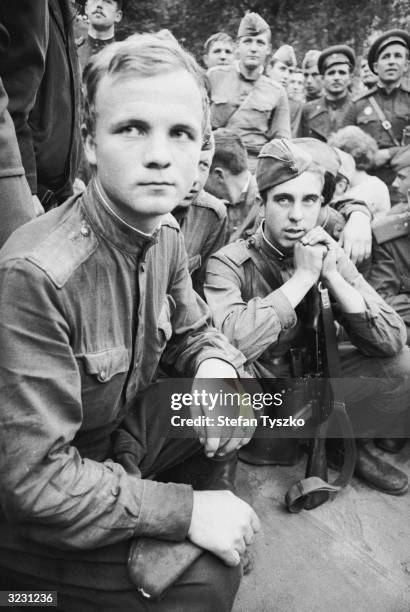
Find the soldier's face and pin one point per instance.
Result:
(292, 209)
(147, 141)
(103, 14)
(253, 50)
(402, 182)
(337, 79)
(202, 173)
(220, 54)
(313, 82)
(279, 72)
(367, 76)
(392, 63)
(296, 85)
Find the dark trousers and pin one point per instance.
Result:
(87, 581)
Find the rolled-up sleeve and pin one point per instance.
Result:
(251, 326)
(50, 491)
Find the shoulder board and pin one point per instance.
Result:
(64, 249)
(236, 252)
(366, 94)
(391, 226)
(169, 220)
(207, 200)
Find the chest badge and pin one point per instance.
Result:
(368, 110)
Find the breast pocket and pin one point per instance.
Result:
(103, 376)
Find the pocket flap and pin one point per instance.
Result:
(106, 364)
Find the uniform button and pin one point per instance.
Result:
(85, 230)
(102, 375)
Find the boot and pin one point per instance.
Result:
(378, 473)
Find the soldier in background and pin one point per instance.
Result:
(325, 115)
(218, 50)
(280, 68)
(102, 17)
(384, 111)
(400, 164)
(230, 180)
(202, 219)
(313, 78)
(245, 100)
(367, 77)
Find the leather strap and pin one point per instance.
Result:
(385, 123)
(297, 495)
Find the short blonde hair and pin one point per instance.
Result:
(144, 55)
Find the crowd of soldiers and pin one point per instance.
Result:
(182, 236)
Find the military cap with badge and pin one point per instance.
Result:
(337, 54)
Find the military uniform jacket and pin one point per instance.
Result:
(263, 106)
(260, 321)
(390, 273)
(88, 308)
(322, 117)
(204, 226)
(396, 108)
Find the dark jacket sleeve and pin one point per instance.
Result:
(16, 203)
(387, 281)
(22, 68)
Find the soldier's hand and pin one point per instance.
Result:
(356, 237)
(217, 378)
(319, 237)
(308, 260)
(223, 524)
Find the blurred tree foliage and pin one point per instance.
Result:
(306, 24)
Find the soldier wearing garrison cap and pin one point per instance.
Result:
(313, 79)
(384, 110)
(326, 114)
(257, 291)
(280, 69)
(243, 98)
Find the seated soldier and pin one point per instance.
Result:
(230, 180)
(256, 290)
(390, 272)
(202, 219)
(400, 164)
(92, 295)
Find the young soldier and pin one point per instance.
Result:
(202, 219)
(326, 114)
(218, 50)
(245, 100)
(230, 179)
(256, 291)
(92, 295)
(313, 78)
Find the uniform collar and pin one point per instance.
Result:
(105, 223)
(268, 249)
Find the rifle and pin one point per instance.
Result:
(323, 371)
